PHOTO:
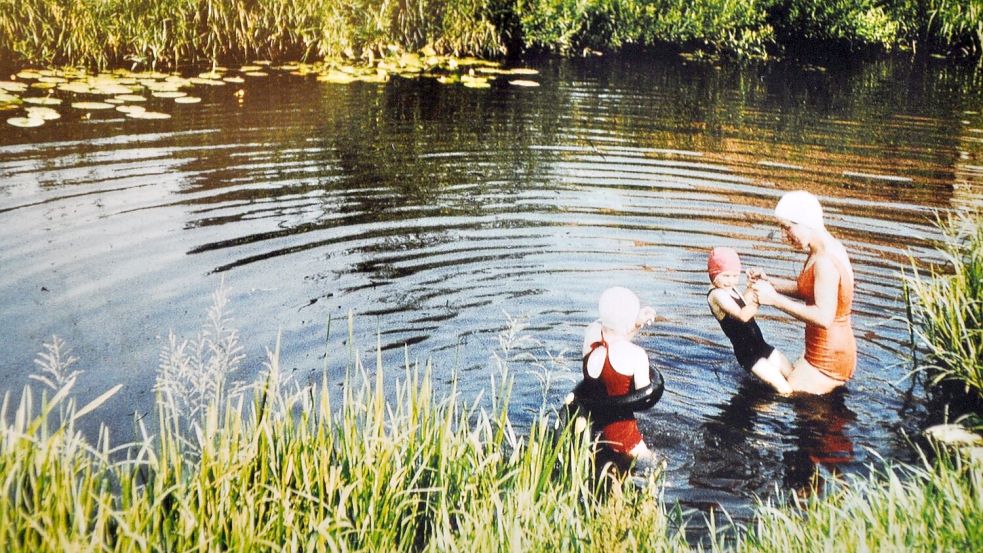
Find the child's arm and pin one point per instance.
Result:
(721, 301)
(646, 316)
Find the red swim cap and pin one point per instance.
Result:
(722, 259)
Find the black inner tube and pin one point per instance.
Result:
(590, 395)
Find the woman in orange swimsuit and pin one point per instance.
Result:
(825, 285)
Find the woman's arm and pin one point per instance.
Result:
(825, 290)
(781, 285)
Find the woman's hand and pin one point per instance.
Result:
(646, 316)
(755, 274)
(765, 293)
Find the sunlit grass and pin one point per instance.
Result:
(381, 461)
(947, 304)
(391, 467)
(936, 507)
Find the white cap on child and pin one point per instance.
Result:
(618, 308)
(801, 207)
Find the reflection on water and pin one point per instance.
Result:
(433, 213)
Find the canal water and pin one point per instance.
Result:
(442, 216)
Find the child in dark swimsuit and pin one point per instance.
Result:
(735, 312)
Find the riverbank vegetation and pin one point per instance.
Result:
(385, 463)
(169, 33)
(946, 305)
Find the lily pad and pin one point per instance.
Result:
(131, 109)
(187, 100)
(47, 114)
(521, 82)
(257, 74)
(43, 100)
(210, 75)
(76, 87)
(335, 77)
(210, 82)
(43, 86)
(92, 105)
(168, 94)
(11, 86)
(248, 68)
(522, 71)
(234, 79)
(29, 75)
(131, 98)
(53, 80)
(112, 89)
(25, 122)
(148, 115)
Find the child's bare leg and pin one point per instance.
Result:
(771, 375)
(778, 359)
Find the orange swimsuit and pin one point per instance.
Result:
(832, 350)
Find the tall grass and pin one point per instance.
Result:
(170, 32)
(935, 507)
(281, 467)
(384, 464)
(947, 304)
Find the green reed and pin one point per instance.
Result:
(946, 304)
(935, 507)
(278, 466)
(378, 461)
(105, 33)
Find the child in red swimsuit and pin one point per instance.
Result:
(735, 312)
(619, 365)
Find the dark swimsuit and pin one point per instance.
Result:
(749, 345)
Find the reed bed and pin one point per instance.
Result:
(277, 466)
(946, 304)
(380, 462)
(151, 33)
(935, 507)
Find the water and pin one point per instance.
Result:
(437, 214)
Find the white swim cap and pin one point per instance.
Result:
(619, 309)
(801, 207)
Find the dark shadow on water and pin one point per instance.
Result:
(820, 434)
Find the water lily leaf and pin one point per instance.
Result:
(43, 86)
(130, 98)
(76, 87)
(248, 68)
(131, 109)
(47, 114)
(261, 62)
(210, 75)
(11, 86)
(114, 101)
(43, 100)
(111, 89)
(257, 74)
(52, 80)
(210, 82)
(234, 79)
(520, 82)
(476, 83)
(336, 77)
(29, 75)
(92, 105)
(168, 94)
(187, 100)
(148, 115)
(522, 71)
(491, 71)
(25, 122)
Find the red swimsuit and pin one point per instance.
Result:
(620, 430)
